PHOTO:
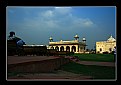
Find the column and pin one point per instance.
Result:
(70, 48)
(54, 47)
(64, 47)
(59, 47)
(76, 48)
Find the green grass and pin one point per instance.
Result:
(12, 74)
(97, 72)
(96, 57)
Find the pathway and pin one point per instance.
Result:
(75, 59)
(97, 63)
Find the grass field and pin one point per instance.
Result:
(97, 72)
(96, 57)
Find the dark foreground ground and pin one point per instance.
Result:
(55, 75)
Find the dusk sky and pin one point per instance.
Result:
(35, 24)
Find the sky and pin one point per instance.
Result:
(36, 24)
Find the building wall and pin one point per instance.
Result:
(38, 66)
(79, 47)
(105, 46)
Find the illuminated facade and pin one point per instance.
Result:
(75, 46)
(106, 46)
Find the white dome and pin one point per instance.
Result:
(76, 36)
(83, 38)
(50, 38)
(111, 39)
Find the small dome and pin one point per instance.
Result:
(76, 36)
(61, 40)
(111, 39)
(83, 38)
(50, 38)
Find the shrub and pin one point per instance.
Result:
(105, 52)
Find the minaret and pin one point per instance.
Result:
(51, 39)
(76, 37)
(84, 40)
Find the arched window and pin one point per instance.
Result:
(57, 48)
(73, 49)
(52, 47)
(100, 49)
(61, 48)
(68, 48)
(110, 49)
(84, 48)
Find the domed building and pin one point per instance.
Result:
(75, 46)
(106, 46)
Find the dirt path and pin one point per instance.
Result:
(97, 63)
(22, 59)
(74, 59)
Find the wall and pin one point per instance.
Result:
(38, 66)
(105, 46)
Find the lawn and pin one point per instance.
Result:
(96, 57)
(97, 72)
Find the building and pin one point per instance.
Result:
(75, 46)
(106, 46)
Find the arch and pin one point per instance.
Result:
(57, 48)
(52, 47)
(68, 48)
(110, 49)
(73, 49)
(61, 48)
(100, 49)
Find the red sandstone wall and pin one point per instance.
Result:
(38, 66)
